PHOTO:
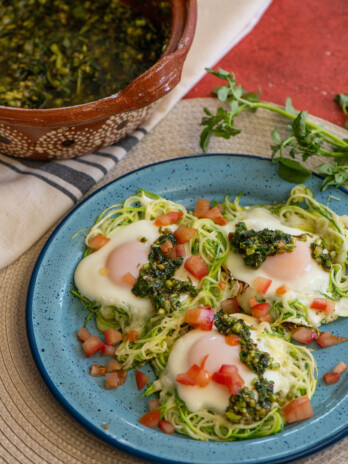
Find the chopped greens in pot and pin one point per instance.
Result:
(57, 53)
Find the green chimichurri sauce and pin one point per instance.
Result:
(56, 53)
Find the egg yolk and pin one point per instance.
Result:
(289, 265)
(219, 352)
(127, 258)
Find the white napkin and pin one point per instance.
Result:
(35, 194)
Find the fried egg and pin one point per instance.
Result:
(99, 276)
(304, 277)
(195, 345)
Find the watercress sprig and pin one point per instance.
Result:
(305, 138)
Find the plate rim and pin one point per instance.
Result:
(90, 427)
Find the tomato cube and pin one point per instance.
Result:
(201, 208)
(262, 312)
(327, 339)
(83, 334)
(151, 419)
(112, 336)
(304, 335)
(216, 216)
(230, 306)
(196, 266)
(92, 345)
(166, 427)
(340, 368)
(141, 379)
(98, 241)
(322, 304)
(202, 317)
(262, 284)
(298, 409)
(331, 378)
(184, 234)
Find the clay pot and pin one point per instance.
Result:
(62, 133)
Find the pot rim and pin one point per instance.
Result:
(142, 91)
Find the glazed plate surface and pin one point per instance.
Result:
(54, 315)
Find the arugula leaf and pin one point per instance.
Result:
(305, 139)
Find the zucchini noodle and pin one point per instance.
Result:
(205, 425)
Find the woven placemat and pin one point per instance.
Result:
(34, 428)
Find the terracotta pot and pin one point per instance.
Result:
(69, 132)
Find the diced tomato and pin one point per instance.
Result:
(282, 289)
(166, 247)
(83, 334)
(216, 216)
(108, 350)
(122, 377)
(132, 335)
(141, 379)
(92, 345)
(166, 427)
(129, 279)
(262, 312)
(112, 380)
(196, 375)
(169, 218)
(298, 409)
(180, 251)
(97, 370)
(201, 208)
(184, 234)
(175, 216)
(331, 377)
(202, 317)
(228, 375)
(113, 365)
(154, 403)
(196, 266)
(252, 301)
(304, 335)
(112, 336)
(340, 368)
(322, 304)
(151, 418)
(163, 220)
(327, 339)
(185, 379)
(98, 241)
(222, 285)
(230, 306)
(232, 340)
(262, 284)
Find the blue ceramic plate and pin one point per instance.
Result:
(54, 316)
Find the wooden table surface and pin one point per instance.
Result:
(298, 49)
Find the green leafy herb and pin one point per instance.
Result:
(305, 139)
(342, 100)
(255, 246)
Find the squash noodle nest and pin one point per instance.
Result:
(296, 362)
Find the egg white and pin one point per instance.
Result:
(96, 286)
(312, 284)
(92, 280)
(215, 396)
